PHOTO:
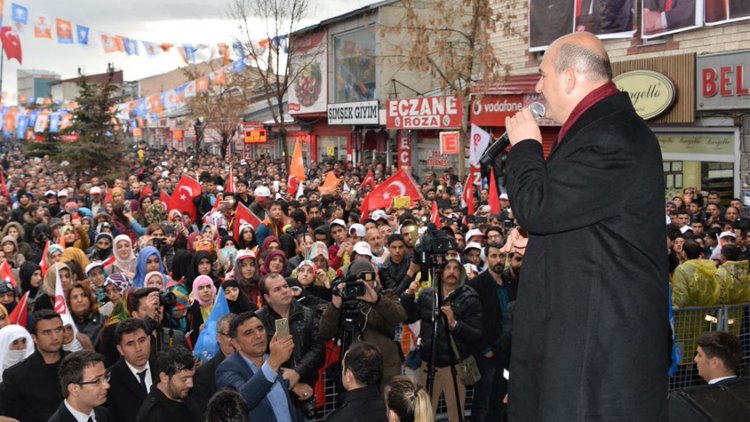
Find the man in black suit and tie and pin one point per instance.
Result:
(84, 383)
(717, 357)
(204, 385)
(133, 375)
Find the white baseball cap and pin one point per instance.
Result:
(727, 234)
(504, 196)
(338, 222)
(473, 245)
(473, 232)
(262, 191)
(363, 248)
(96, 190)
(358, 229)
(379, 215)
(62, 193)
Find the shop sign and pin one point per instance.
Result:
(436, 159)
(701, 143)
(491, 110)
(404, 149)
(723, 81)
(651, 93)
(360, 113)
(449, 142)
(255, 136)
(425, 113)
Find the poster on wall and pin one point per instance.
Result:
(723, 11)
(551, 19)
(354, 66)
(663, 17)
(308, 93)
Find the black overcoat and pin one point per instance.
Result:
(590, 330)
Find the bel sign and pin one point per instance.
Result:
(723, 81)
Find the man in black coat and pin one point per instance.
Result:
(133, 376)
(590, 324)
(494, 351)
(204, 382)
(361, 373)
(84, 382)
(30, 391)
(168, 400)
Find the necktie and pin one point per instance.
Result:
(142, 376)
(91, 419)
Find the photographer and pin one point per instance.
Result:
(463, 312)
(147, 305)
(372, 316)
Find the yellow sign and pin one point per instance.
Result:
(701, 143)
(330, 150)
(650, 92)
(256, 136)
(402, 202)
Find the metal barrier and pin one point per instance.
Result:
(689, 323)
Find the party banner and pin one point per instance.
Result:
(82, 33)
(42, 27)
(64, 31)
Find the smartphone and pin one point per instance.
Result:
(282, 327)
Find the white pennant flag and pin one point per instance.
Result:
(478, 143)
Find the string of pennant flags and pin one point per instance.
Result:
(23, 123)
(66, 32)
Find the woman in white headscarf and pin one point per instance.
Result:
(15, 346)
(125, 260)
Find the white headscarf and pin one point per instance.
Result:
(129, 263)
(8, 335)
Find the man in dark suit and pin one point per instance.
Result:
(84, 383)
(255, 374)
(667, 15)
(133, 376)
(168, 400)
(493, 351)
(204, 384)
(30, 391)
(361, 373)
(717, 357)
(591, 298)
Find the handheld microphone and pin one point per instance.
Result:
(537, 110)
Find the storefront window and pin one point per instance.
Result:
(354, 69)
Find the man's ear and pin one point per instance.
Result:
(569, 80)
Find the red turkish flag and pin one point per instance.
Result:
(3, 186)
(43, 264)
(494, 196)
(291, 186)
(164, 198)
(11, 44)
(468, 195)
(369, 180)
(231, 186)
(6, 274)
(109, 261)
(242, 216)
(364, 209)
(400, 184)
(182, 198)
(21, 311)
(435, 216)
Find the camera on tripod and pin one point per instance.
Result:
(354, 285)
(432, 247)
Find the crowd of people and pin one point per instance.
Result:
(107, 289)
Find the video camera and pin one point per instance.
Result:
(354, 285)
(433, 246)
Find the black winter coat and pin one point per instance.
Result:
(30, 391)
(590, 326)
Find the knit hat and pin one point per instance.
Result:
(360, 266)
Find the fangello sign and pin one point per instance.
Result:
(650, 92)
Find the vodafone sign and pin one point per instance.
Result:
(424, 113)
(492, 110)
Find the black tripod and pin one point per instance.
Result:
(437, 316)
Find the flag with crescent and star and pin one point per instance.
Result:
(184, 193)
(242, 216)
(11, 44)
(400, 184)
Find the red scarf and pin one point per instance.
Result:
(604, 91)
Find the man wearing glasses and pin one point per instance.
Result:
(84, 383)
(205, 379)
(30, 390)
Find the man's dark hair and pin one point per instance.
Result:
(366, 363)
(239, 320)
(310, 205)
(73, 365)
(396, 237)
(725, 346)
(40, 315)
(731, 252)
(299, 216)
(135, 296)
(173, 360)
(227, 406)
(692, 249)
(491, 245)
(262, 282)
(128, 326)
